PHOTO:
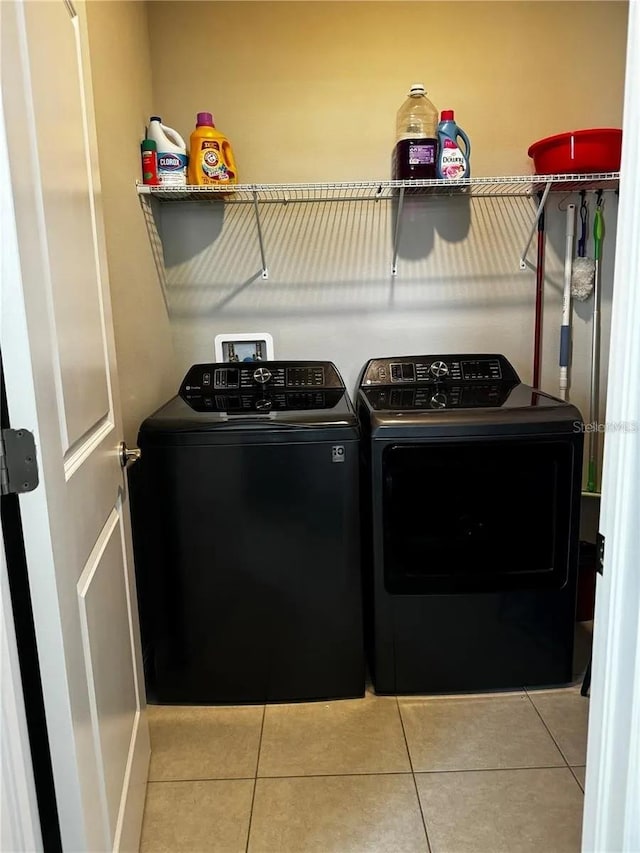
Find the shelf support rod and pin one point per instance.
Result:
(543, 201)
(149, 210)
(256, 209)
(397, 233)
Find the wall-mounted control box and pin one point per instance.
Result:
(244, 346)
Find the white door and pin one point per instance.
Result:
(58, 352)
(612, 795)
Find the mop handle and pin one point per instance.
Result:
(565, 330)
(598, 234)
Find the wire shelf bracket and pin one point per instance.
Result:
(147, 202)
(256, 209)
(397, 233)
(543, 201)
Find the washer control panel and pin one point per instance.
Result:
(207, 379)
(417, 370)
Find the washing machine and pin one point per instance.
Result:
(471, 486)
(245, 508)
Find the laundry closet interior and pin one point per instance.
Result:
(320, 252)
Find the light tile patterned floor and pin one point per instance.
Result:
(483, 774)
(445, 774)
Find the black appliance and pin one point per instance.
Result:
(471, 500)
(245, 508)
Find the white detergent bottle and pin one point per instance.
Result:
(172, 153)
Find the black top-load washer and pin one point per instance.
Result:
(472, 495)
(245, 508)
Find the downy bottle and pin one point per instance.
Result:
(453, 162)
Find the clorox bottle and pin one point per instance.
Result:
(211, 159)
(172, 153)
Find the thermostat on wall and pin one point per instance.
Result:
(244, 346)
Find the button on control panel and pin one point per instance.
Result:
(305, 377)
(262, 375)
(224, 377)
(404, 371)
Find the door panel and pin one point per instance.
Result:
(106, 630)
(69, 219)
(62, 384)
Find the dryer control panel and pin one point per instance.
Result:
(431, 369)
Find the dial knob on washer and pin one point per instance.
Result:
(439, 401)
(262, 375)
(439, 369)
(263, 405)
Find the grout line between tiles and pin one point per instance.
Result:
(491, 769)
(202, 779)
(575, 777)
(535, 708)
(255, 778)
(335, 774)
(413, 776)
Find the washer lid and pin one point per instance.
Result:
(247, 417)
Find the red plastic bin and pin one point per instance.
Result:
(595, 150)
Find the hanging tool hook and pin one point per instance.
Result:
(584, 224)
(599, 199)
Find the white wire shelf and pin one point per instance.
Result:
(514, 185)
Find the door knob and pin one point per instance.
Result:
(128, 455)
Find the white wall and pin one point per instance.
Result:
(330, 293)
(121, 72)
(308, 92)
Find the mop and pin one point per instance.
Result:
(598, 234)
(565, 328)
(583, 268)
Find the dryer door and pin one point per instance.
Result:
(480, 515)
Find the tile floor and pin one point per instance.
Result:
(482, 773)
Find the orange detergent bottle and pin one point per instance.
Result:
(211, 159)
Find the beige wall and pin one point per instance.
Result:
(121, 70)
(309, 90)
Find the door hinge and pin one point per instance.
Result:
(600, 553)
(18, 463)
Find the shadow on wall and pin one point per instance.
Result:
(205, 225)
(423, 218)
(324, 256)
(280, 300)
(199, 225)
